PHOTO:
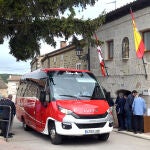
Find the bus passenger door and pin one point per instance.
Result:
(40, 107)
(40, 116)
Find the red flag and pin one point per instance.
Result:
(102, 65)
(139, 44)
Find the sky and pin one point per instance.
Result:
(8, 63)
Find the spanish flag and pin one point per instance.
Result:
(139, 44)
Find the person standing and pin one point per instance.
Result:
(139, 109)
(120, 102)
(13, 114)
(1, 109)
(8, 108)
(128, 111)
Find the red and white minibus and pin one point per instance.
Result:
(63, 102)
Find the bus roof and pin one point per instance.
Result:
(42, 73)
(62, 69)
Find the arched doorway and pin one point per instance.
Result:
(125, 92)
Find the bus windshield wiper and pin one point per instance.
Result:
(71, 96)
(84, 96)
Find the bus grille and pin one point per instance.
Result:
(94, 125)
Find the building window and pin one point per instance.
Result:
(61, 61)
(110, 49)
(78, 53)
(78, 66)
(62, 57)
(54, 59)
(125, 48)
(48, 62)
(146, 38)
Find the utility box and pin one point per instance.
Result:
(146, 124)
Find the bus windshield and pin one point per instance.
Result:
(69, 85)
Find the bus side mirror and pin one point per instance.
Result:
(43, 96)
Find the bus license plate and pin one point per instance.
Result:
(92, 131)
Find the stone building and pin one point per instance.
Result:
(64, 57)
(13, 82)
(3, 88)
(125, 71)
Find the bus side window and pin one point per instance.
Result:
(47, 90)
(44, 89)
(24, 86)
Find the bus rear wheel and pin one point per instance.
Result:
(55, 138)
(26, 127)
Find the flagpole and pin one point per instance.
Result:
(103, 59)
(144, 68)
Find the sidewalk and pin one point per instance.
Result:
(143, 135)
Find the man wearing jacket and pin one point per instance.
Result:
(139, 109)
(128, 111)
(8, 112)
(120, 102)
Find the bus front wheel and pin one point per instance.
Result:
(55, 138)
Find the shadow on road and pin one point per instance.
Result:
(21, 135)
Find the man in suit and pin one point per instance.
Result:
(8, 112)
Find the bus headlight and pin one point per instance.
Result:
(64, 110)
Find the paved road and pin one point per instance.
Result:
(32, 140)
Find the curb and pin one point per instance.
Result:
(2, 140)
(143, 135)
